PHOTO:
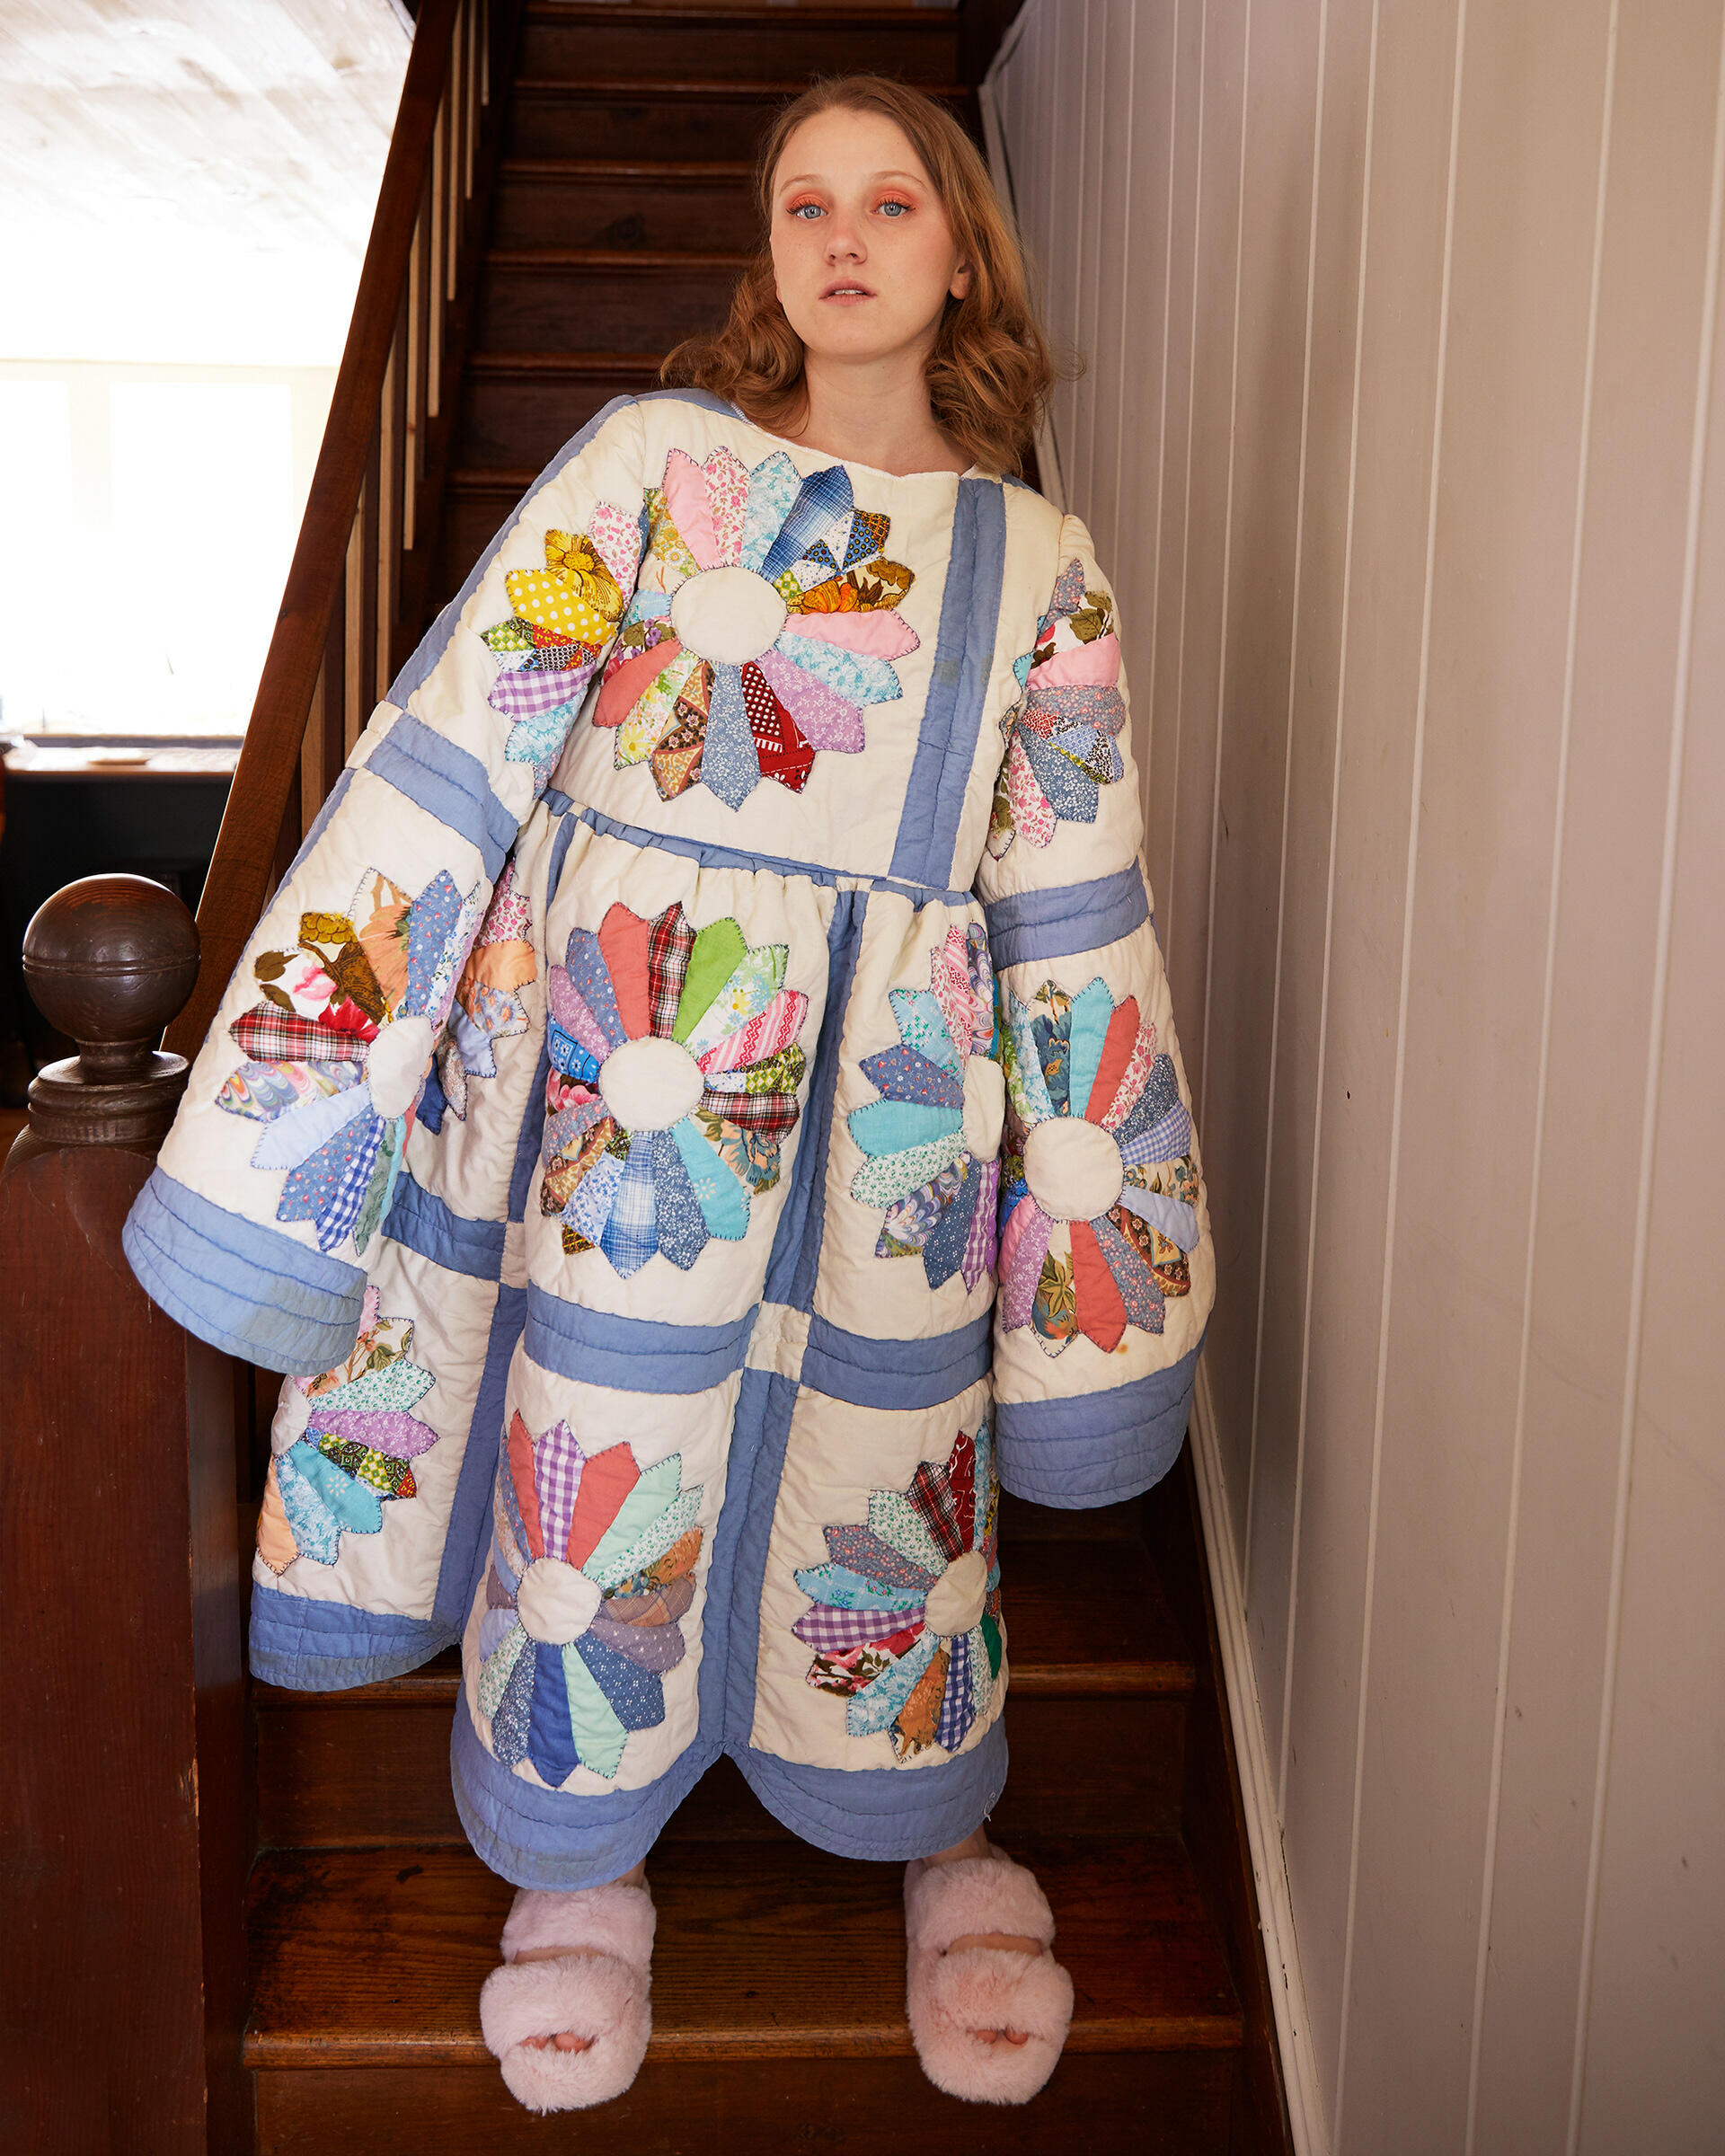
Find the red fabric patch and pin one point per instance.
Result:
(779, 744)
(607, 1480)
(1101, 1313)
(624, 939)
(1116, 1053)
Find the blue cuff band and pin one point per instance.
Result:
(1099, 1448)
(332, 1647)
(244, 1288)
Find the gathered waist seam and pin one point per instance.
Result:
(711, 854)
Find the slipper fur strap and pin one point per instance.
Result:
(976, 1893)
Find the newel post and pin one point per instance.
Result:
(123, 1839)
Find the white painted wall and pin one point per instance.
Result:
(1404, 438)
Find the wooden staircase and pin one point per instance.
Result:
(567, 194)
(778, 1983)
(623, 208)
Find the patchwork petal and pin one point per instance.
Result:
(827, 719)
(773, 487)
(731, 766)
(877, 631)
(851, 675)
(903, 1074)
(617, 538)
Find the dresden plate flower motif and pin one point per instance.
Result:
(343, 1445)
(933, 1137)
(488, 1006)
(906, 1624)
(565, 615)
(674, 1068)
(337, 1051)
(592, 1566)
(767, 621)
(1062, 742)
(1098, 1189)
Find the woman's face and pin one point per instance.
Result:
(862, 253)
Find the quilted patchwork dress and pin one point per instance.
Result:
(701, 1115)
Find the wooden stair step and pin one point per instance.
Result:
(1151, 2103)
(600, 298)
(624, 203)
(560, 41)
(646, 118)
(518, 409)
(370, 1960)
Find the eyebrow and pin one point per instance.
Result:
(804, 178)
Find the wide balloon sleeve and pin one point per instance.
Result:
(1106, 1271)
(255, 1229)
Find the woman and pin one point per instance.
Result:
(727, 951)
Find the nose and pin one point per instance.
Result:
(843, 242)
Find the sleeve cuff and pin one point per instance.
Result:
(1099, 1448)
(242, 1288)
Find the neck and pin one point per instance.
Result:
(875, 413)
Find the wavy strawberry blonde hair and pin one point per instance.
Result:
(990, 371)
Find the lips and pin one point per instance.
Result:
(847, 288)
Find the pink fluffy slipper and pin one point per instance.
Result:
(952, 1996)
(596, 1986)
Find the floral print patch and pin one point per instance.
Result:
(565, 615)
(345, 1445)
(766, 624)
(337, 1052)
(673, 1083)
(488, 1006)
(933, 1138)
(1062, 740)
(906, 1625)
(1099, 1197)
(592, 1567)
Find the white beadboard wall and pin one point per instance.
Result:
(1404, 439)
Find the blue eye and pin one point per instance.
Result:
(899, 209)
(807, 211)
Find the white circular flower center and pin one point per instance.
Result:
(555, 1602)
(398, 1060)
(648, 1084)
(956, 1600)
(729, 615)
(1073, 1168)
(985, 1106)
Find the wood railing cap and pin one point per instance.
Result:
(110, 960)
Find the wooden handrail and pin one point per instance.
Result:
(354, 584)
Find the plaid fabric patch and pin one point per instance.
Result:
(831, 1631)
(767, 1114)
(823, 497)
(529, 692)
(272, 1035)
(557, 1462)
(958, 1707)
(932, 1494)
(337, 1223)
(630, 1239)
(669, 941)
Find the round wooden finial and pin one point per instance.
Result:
(110, 960)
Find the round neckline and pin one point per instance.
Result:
(851, 463)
